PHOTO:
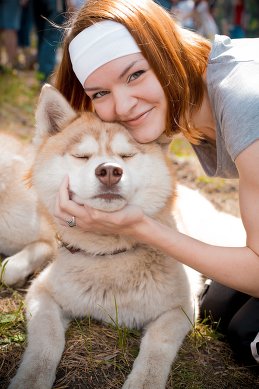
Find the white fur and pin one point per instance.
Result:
(26, 237)
(88, 146)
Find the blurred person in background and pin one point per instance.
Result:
(166, 4)
(10, 19)
(26, 59)
(252, 18)
(74, 5)
(45, 13)
(204, 20)
(182, 11)
(232, 18)
(238, 18)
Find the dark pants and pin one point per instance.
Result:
(49, 36)
(237, 315)
(24, 33)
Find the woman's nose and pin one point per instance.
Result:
(124, 103)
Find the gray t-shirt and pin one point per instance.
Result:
(233, 87)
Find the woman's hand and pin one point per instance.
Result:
(123, 222)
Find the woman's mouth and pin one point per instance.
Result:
(137, 120)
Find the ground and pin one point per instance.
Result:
(98, 356)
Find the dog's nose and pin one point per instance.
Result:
(109, 174)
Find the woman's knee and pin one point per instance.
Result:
(243, 332)
(218, 304)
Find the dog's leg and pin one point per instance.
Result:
(46, 341)
(158, 349)
(16, 269)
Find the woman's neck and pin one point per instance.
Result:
(203, 118)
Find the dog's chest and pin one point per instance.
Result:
(134, 287)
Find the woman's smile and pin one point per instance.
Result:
(137, 120)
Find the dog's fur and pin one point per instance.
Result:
(26, 233)
(105, 275)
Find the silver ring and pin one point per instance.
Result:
(71, 222)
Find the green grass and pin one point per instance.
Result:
(18, 98)
(12, 319)
(13, 90)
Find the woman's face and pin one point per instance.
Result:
(127, 91)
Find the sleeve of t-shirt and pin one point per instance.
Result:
(238, 107)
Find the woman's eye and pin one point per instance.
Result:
(135, 75)
(99, 94)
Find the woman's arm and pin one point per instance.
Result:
(237, 268)
(248, 166)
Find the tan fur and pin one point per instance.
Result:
(26, 232)
(150, 289)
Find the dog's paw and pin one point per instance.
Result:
(131, 384)
(29, 379)
(20, 383)
(135, 382)
(14, 271)
(143, 377)
(24, 384)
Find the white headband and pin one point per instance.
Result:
(98, 44)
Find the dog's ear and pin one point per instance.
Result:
(52, 113)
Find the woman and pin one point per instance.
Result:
(140, 69)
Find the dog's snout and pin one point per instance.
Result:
(109, 174)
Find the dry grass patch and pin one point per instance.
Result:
(97, 356)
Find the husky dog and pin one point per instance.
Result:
(27, 235)
(96, 274)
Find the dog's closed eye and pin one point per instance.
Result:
(126, 156)
(81, 156)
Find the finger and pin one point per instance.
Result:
(61, 217)
(64, 204)
(58, 213)
(64, 188)
(64, 199)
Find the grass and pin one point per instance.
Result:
(14, 89)
(95, 354)
(17, 103)
(99, 356)
(12, 321)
